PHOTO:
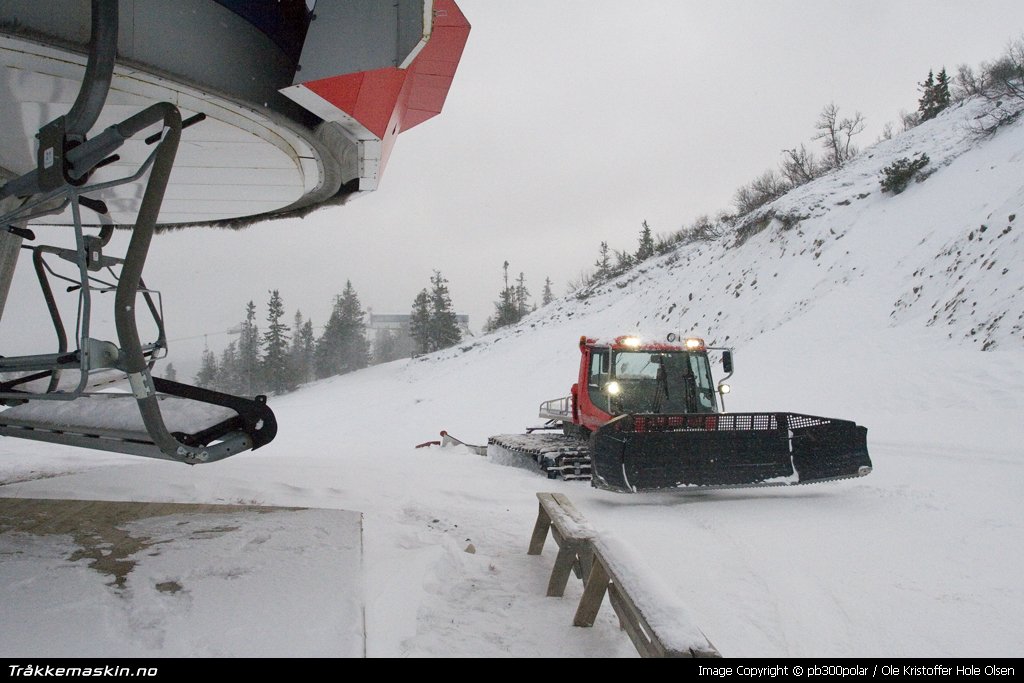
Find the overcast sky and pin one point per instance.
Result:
(571, 122)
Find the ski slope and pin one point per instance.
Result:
(867, 307)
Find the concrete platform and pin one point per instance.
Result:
(129, 579)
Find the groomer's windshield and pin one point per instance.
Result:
(668, 382)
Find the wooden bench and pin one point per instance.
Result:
(571, 532)
(649, 613)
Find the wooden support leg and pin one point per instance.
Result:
(593, 595)
(563, 567)
(540, 532)
(585, 561)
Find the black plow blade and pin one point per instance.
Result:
(637, 453)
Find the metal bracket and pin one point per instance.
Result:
(50, 172)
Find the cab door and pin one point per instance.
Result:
(594, 374)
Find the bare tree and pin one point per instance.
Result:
(837, 134)
(1006, 75)
(909, 119)
(887, 132)
(770, 185)
(966, 83)
(767, 187)
(704, 229)
(799, 166)
(579, 285)
(1002, 85)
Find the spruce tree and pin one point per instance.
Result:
(444, 323)
(356, 347)
(419, 322)
(942, 96)
(546, 296)
(934, 95)
(303, 347)
(522, 298)
(326, 362)
(925, 105)
(645, 250)
(230, 376)
(170, 373)
(308, 340)
(207, 375)
(506, 308)
(276, 366)
(343, 346)
(249, 354)
(623, 262)
(603, 263)
(506, 311)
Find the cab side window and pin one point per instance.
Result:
(598, 375)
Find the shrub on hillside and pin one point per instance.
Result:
(897, 175)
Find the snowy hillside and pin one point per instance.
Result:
(889, 297)
(903, 313)
(938, 244)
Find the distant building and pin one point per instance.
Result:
(400, 321)
(389, 334)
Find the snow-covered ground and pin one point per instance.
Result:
(870, 307)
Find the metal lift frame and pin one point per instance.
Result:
(66, 158)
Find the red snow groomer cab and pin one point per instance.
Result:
(647, 416)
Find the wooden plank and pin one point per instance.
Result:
(566, 517)
(631, 621)
(636, 626)
(570, 511)
(636, 604)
